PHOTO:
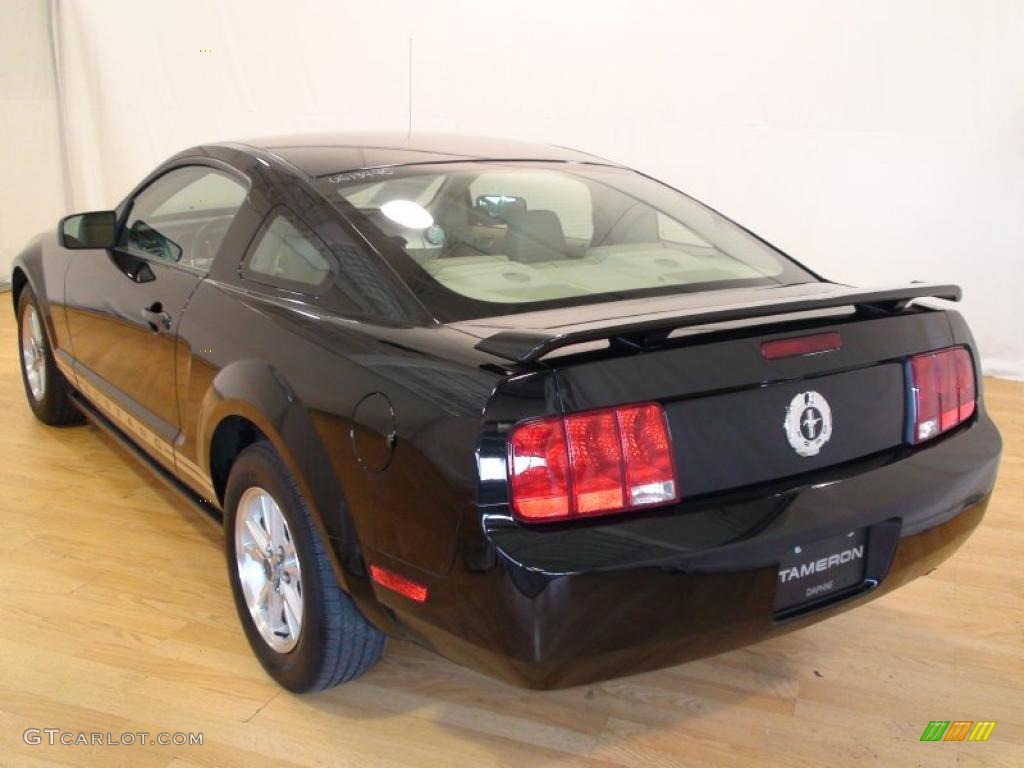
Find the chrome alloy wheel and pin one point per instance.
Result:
(33, 353)
(268, 569)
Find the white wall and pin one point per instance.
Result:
(879, 141)
(31, 182)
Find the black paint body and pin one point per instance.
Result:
(394, 426)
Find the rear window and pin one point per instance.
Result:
(485, 239)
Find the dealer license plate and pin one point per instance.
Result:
(812, 572)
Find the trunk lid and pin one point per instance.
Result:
(736, 418)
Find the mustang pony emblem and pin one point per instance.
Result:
(808, 423)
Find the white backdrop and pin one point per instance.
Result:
(31, 184)
(878, 141)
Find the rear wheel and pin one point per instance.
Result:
(46, 388)
(306, 632)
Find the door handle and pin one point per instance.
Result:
(156, 317)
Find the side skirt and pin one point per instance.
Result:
(208, 511)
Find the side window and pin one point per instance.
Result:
(183, 216)
(288, 255)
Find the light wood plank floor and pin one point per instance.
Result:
(115, 615)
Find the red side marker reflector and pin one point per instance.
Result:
(801, 345)
(400, 584)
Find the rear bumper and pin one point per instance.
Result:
(554, 608)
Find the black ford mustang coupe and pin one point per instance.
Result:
(525, 406)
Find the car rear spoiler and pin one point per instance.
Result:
(530, 344)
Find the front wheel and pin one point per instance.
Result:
(46, 388)
(306, 632)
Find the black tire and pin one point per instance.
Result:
(336, 643)
(55, 407)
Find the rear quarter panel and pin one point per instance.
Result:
(300, 378)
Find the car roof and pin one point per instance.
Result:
(323, 154)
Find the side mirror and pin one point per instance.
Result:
(145, 238)
(499, 206)
(97, 229)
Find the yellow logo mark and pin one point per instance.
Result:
(982, 730)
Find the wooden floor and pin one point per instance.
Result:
(115, 616)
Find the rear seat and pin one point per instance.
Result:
(534, 236)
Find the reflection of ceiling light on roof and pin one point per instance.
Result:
(407, 213)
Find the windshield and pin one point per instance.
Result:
(480, 239)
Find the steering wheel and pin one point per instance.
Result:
(207, 240)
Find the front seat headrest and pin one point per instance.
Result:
(534, 236)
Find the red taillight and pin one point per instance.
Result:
(942, 392)
(595, 458)
(650, 471)
(801, 345)
(538, 470)
(400, 584)
(591, 463)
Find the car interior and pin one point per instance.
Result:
(493, 240)
(502, 237)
